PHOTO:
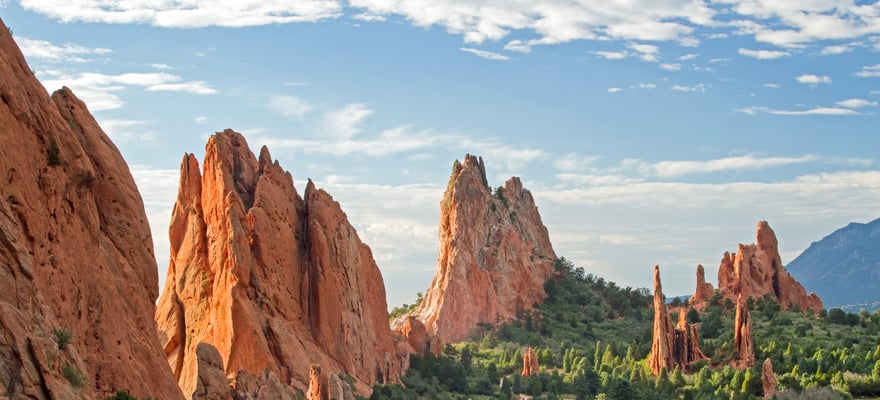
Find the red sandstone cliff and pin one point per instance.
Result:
(671, 346)
(273, 280)
(76, 255)
(494, 255)
(756, 271)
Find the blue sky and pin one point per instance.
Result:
(649, 132)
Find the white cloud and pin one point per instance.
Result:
(289, 106)
(612, 55)
(670, 66)
(574, 162)
(720, 60)
(856, 103)
(647, 52)
(187, 14)
(763, 54)
(812, 111)
(369, 17)
(614, 90)
(201, 120)
(485, 54)
(771, 85)
(838, 49)
(680, 168)
(869, 71)
(98, 90)
(44, 50)
(644, 86)
(345, 123)
(700, 87)
(125, 130)
(194, 87)
(161, 66)
(687, 57)
(813, 79)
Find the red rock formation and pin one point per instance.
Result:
(704, 291)
(756, 271)
(768, 379)
(417, 336)
(530, 363)
(273, 280)
(494, 257)
(318, 384)
(743, 342)
(671, 346)
(76, 254)
(338, 388)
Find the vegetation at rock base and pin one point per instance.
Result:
(405, 308)
(592, 339)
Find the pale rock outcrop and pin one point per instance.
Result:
(743, 341)
(76, 254)
(494, 255)
(274, 281)
(530, 363)
(339, 389)
(212, 383)
(266, 385)
(671, 346)
(704, 290)
(318, 384)
(768, 379)
(756, 271)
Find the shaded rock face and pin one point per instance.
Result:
(212, 383)
(494, 255)
(417, 336)
(756, 271)
(671, 346)
(273, 280)
(768, 379)
(743, 341)
(704, 291)
(530, 363)
(76, 254)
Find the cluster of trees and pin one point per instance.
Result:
(592, 338)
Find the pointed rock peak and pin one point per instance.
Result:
(658, 287)
(473, 166)
(265, 158)
(765, 238)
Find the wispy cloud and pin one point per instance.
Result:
(869, 71)
(194, 87)
(612, 55)
(812, 111)
(836, 49)
(856, 103)
(614, 89)
(98, 89)
(175, 14)
(670, 66)
(646, 52)
(201, 120)
(346, 122)
(763, 54)
(700, 87)
(68, 52)
(687, 57)
(162, 66)
(771, 85)
(289, 106)
(680, 168)
(813, 79)
(126, 130)
(485, 54)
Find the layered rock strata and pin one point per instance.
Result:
(78, 278)
(494, 256)
(274, 281)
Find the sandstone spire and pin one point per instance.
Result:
(743, 342)
(704, 290)
(671, 346)
(273, 280)
(494, 255)
(756, 271)
(78, 278)
(768, 379)
(530, 363)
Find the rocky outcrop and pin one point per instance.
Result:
(417, 337)
(318, 384)
(530, 363)
(273, 280)
(671, 346)
(756, 271)
(78, 278)
(704, 291)
(743, 341)
(768, 379)
(266, 385)
(212, 383)
(339, 389)
(494, 256)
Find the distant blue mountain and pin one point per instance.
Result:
(843, 268)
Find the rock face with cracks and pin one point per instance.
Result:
(274, 281)
(671, 346)
(743, 340)
(768, 379)
(756, 271)
(494, 255)
(78, 278)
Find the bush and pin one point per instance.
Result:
(54, 154)
(73, 375)
(122, 395)
(62, 337)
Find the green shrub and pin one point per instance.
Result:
(73, 375)
(63, 337)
